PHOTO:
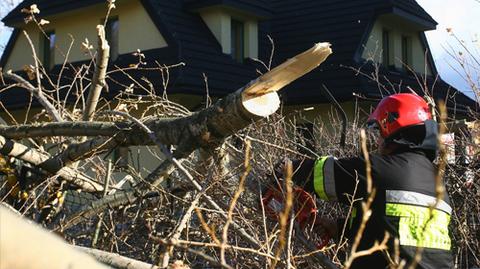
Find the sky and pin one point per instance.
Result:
(462, 16)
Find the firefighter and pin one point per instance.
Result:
(403, 175)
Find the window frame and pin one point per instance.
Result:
(406, 51)
(237, 40)
(386, 47)
(113, 40)
(48, 40)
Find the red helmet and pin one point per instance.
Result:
(400, 110)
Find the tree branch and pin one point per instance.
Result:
(98, 80)
(41, 160)
(51, 110)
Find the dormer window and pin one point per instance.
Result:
(48, 49)
(386, 43)
(237, 33)
(397, 45)
(237, 40)
(406, 51)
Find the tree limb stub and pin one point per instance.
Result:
(98, 80)
(40, 159)
(289, 71)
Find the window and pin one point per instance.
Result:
(111, 34)
(48, 49)
(406, 51)
(386, 48)
(237, 40)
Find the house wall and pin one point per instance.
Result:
(219, 21)
(219, 24)
(397, 28)
(136, 31)
(318, 111)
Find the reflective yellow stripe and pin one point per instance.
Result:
(319, 179)
(417, 229)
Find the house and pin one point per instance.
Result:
(219, 40)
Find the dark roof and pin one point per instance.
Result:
(200, 51)
(295, 25)
(46, 7)
(412, 7)
(260, 8)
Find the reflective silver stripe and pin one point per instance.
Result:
(415, 198)
(329, 179)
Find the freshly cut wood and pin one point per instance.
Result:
(289, 71)
(27, 246)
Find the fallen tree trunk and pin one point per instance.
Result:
(206, 128)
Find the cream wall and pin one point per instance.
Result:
(219, 24)
(219, 21)
(319, 111)
(397, 28)
(136, 31)
(251, 39)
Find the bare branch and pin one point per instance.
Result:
(98, 80)
(40, 159)
(51, 110)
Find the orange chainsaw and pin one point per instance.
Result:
(304, 206)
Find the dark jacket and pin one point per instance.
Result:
(405, 187)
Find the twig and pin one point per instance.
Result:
(366, 208)
(236, 196)
(105, 192)
(217, 245)
(51, 110)
(284, 216)
(199, 253)
(165, 256)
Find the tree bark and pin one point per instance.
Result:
(98, 80)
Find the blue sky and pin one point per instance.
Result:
(462, 16)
